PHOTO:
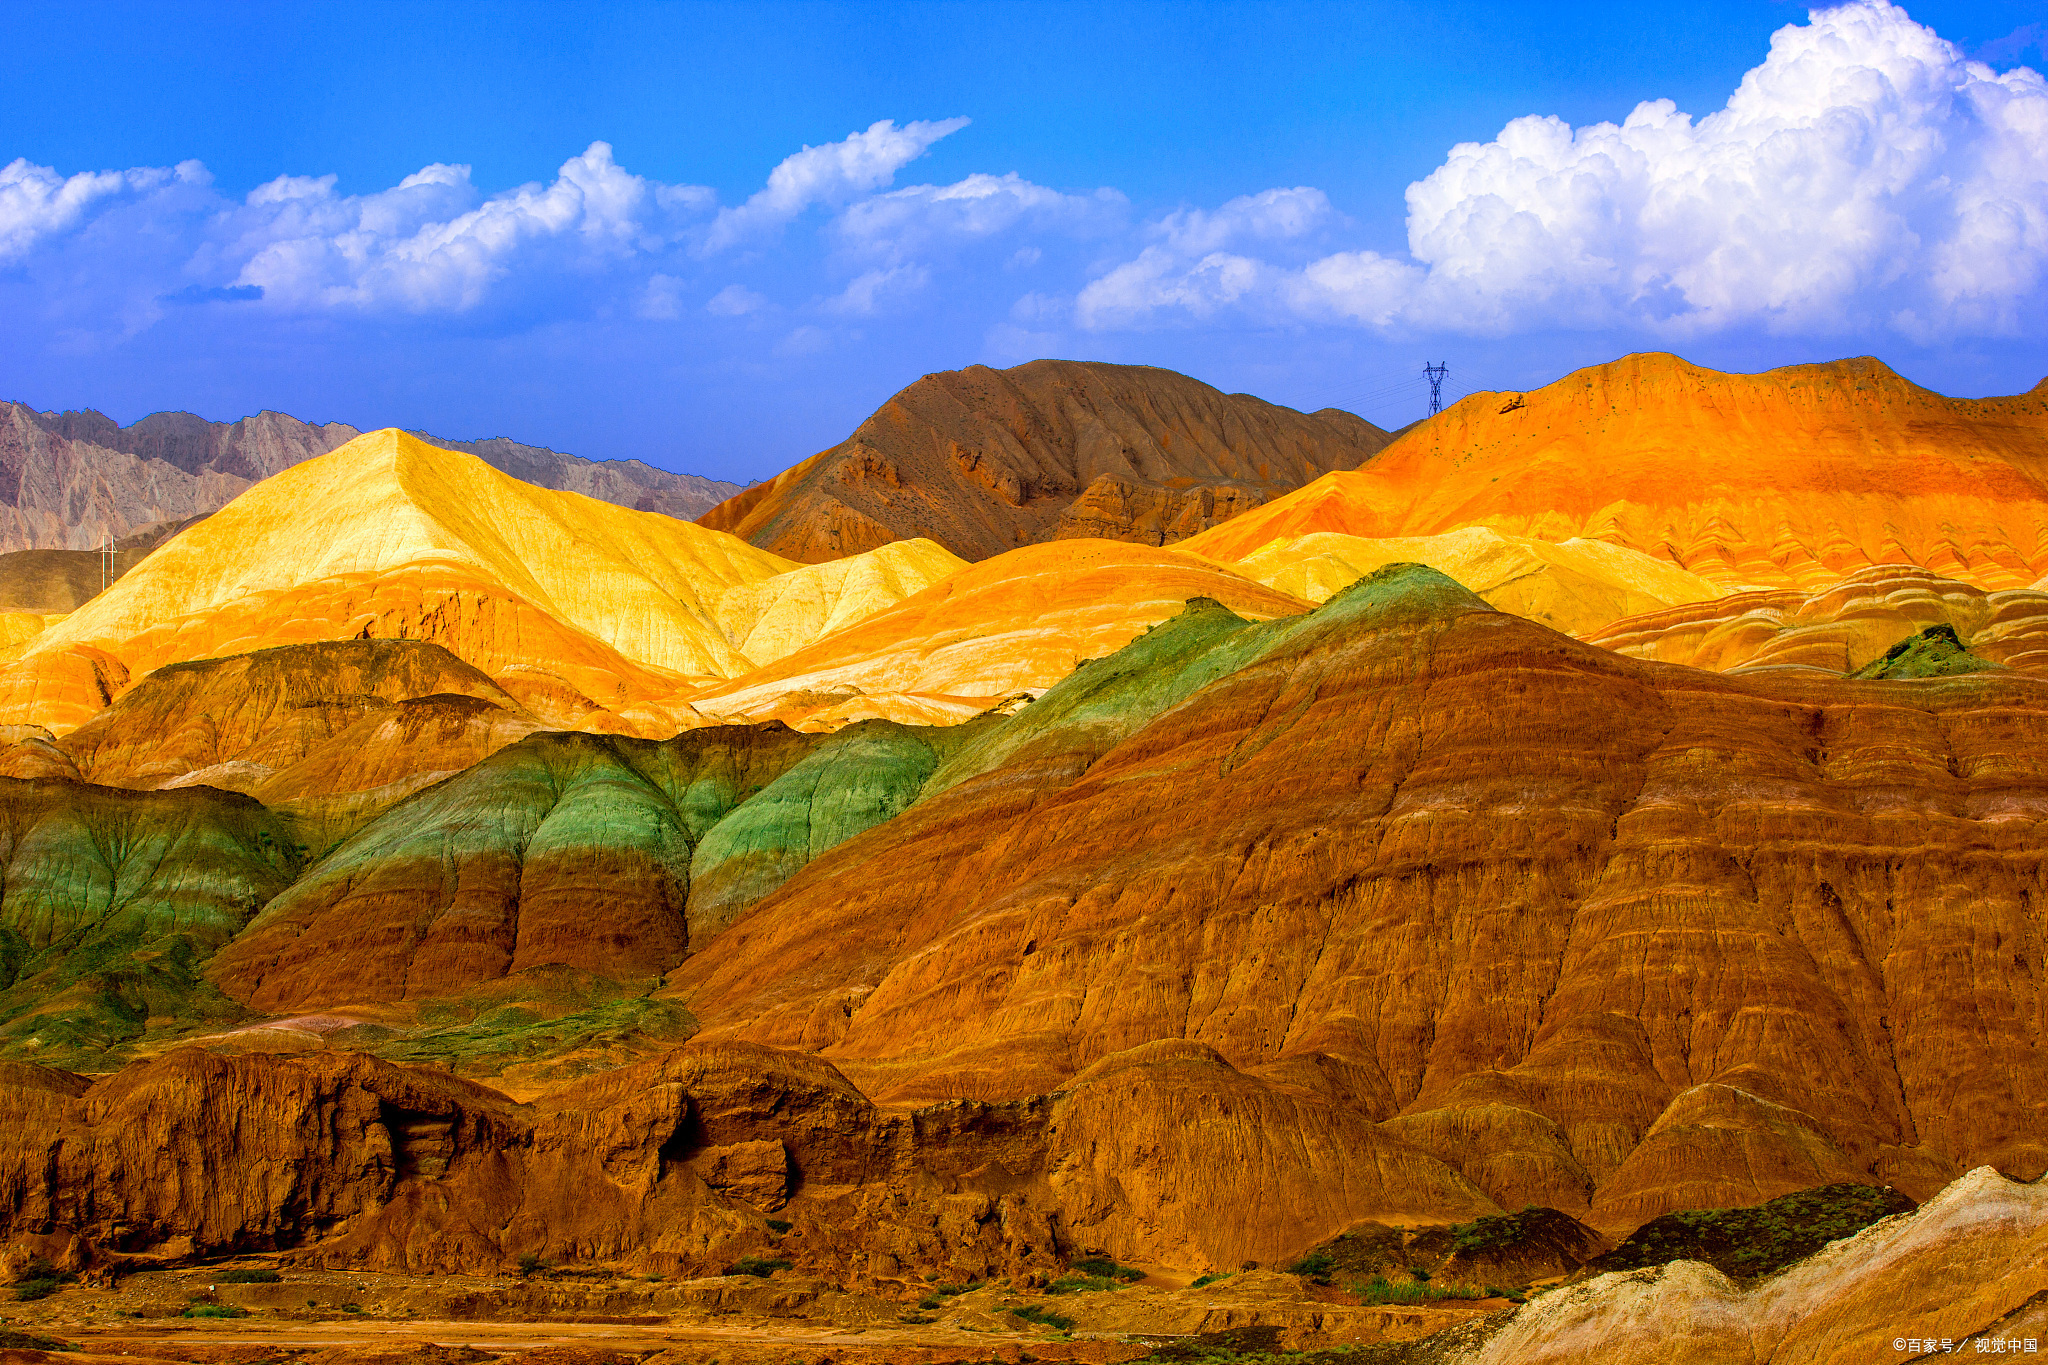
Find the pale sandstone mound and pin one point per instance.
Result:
(389, 537)
(1611, 937)
(983, 461)
(775, 617)
(1841, 628)
(1577, 586)
(1014, 624)
(1968, 1266)
(1791, 478)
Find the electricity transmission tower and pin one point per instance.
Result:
(107, 563)
(1436, 375)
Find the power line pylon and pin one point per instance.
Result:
(1436, 375)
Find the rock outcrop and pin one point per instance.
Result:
(983, 461)
(1794, 478)
(1964, 1273)
(72, 480)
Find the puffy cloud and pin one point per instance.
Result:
(830, 174)
(37, 203)
(1867, 173)
(421, 247)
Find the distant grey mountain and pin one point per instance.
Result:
(628, 483)
(70, 480)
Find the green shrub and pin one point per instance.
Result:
(351, 1308)
(1103, 1267)
(215, 1310)
(933, 1302)
(1377, 1291)
(1317, 1265)
(1031, 1312)
(1420, 1273)
(11, 1340)
(1211, 1278)
(756, 1265)
(27, 1290)
(951, 1289)
(248, 1276)
(1756, 1241)
(779, 1225)
(531, 1265)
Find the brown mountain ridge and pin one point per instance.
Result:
(984, 460)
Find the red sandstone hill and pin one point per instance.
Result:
(983, 461)
(1796, 477)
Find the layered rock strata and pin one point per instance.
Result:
(1613, 937)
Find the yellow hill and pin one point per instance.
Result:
(388, 537)
(775, 617)
(1576, 586)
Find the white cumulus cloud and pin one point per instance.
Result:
(37, 203)
(421, 247)
(1866, 174)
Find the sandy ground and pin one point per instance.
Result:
(335, 1318)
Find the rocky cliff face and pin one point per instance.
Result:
(71, 480)
(672, 1166)
(982, 461)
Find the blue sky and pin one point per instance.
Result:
(715, 237)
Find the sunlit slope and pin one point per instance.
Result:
(389, 537)
(1577, 586)
(1016, 623)
(1795, 477)
(770, 618)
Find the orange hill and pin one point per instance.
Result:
(982, 461)
(1796, 477)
